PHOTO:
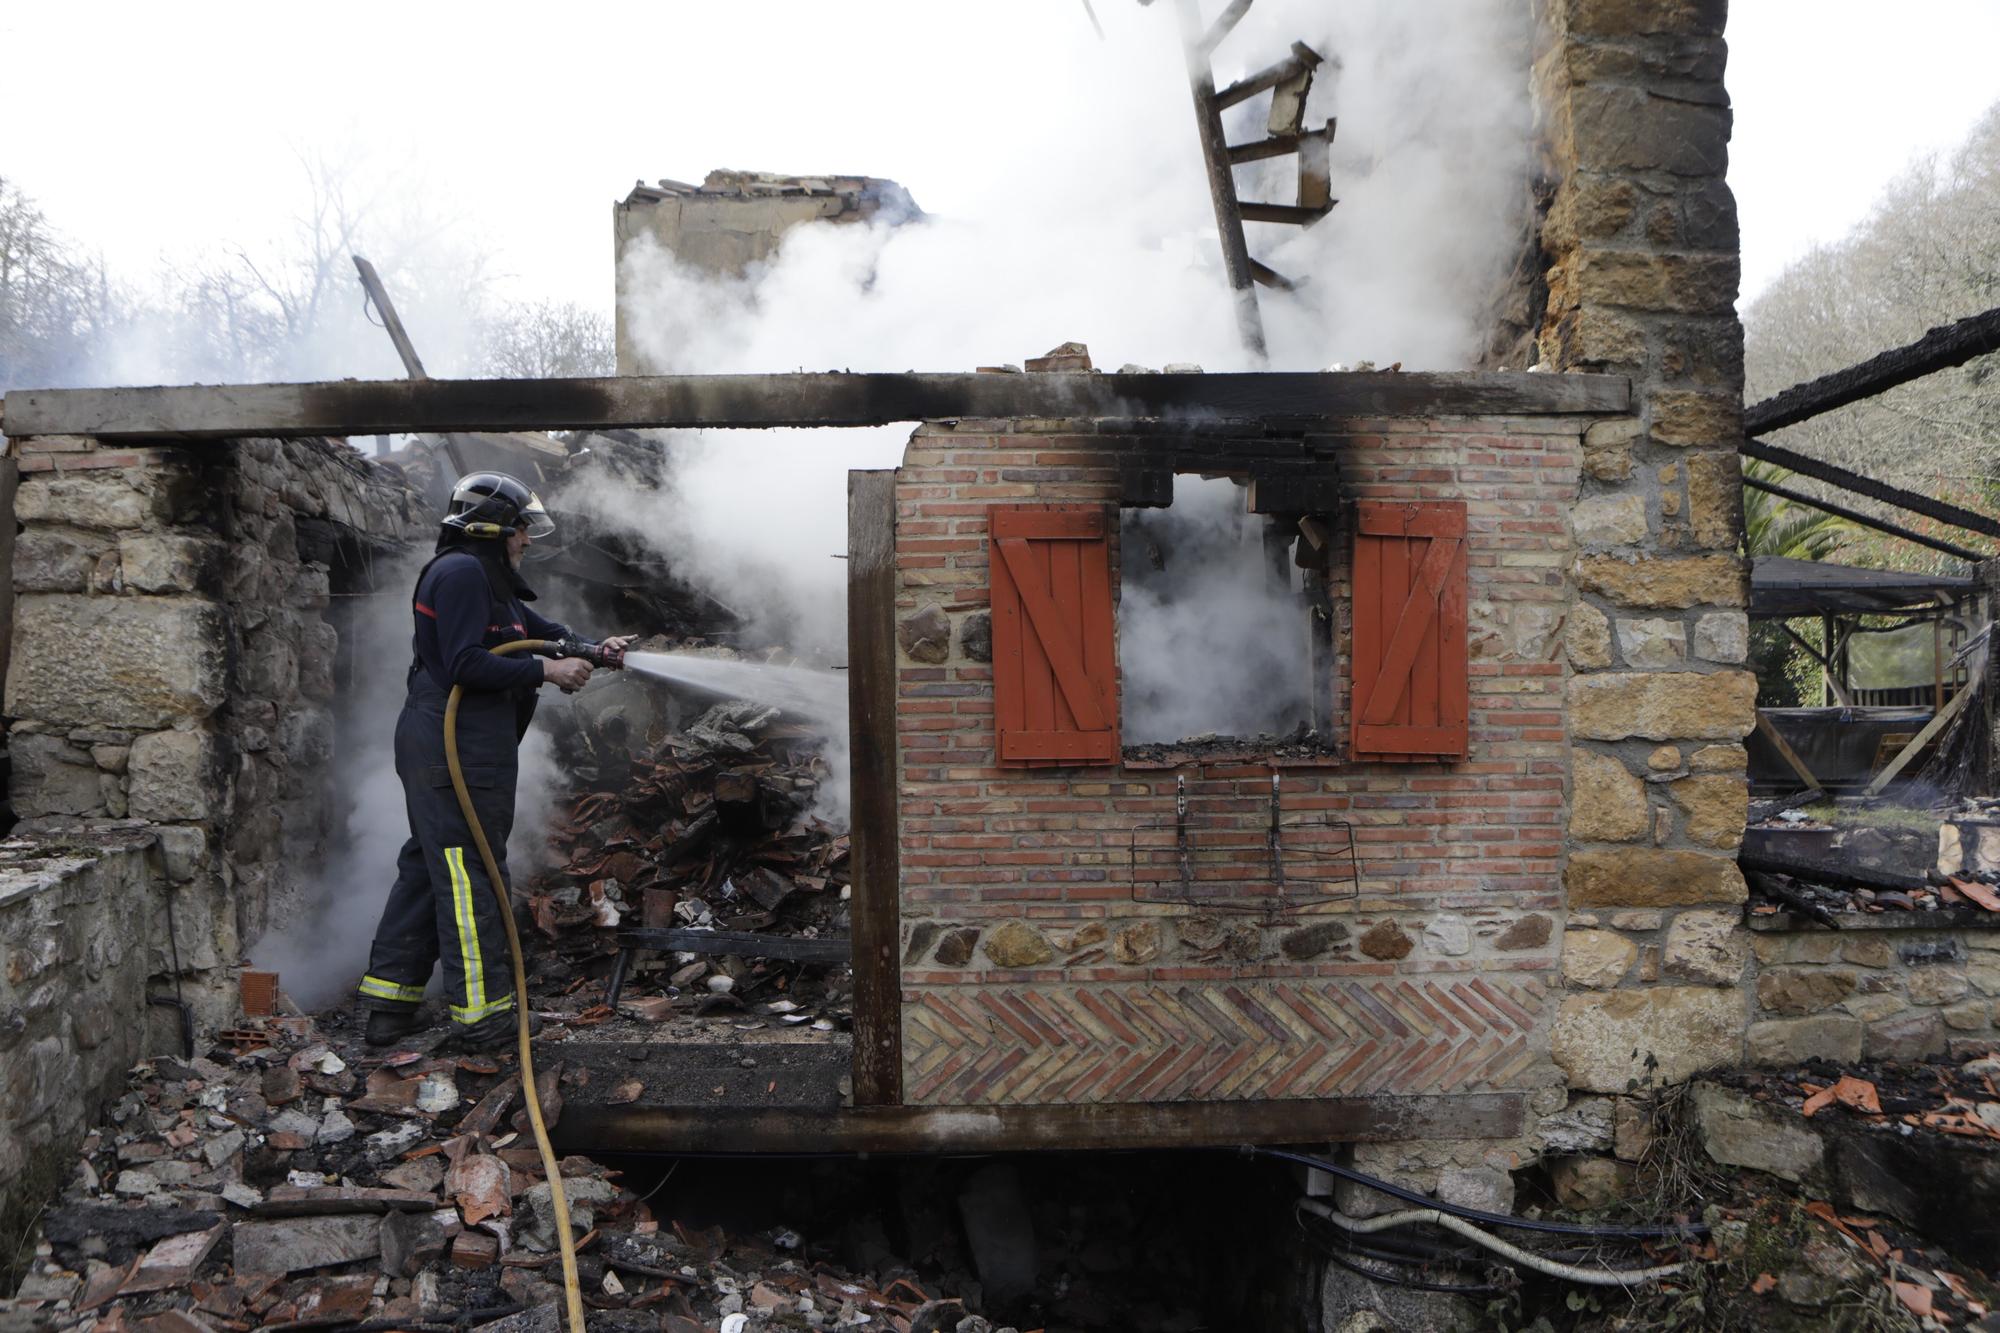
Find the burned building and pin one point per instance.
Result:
(1477, 886)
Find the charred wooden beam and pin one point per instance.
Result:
(1221, 176)
(1224, 24)
(1301, 59)
(1270, 277)
(1865, 520)
(1842, 874)
(920, 1129)
(1941, 510)
(385, 407)
(1293, 215)
(876, 855)
(1940, 349)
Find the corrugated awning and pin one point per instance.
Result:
(1785, 587)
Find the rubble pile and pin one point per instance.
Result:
(289, 1180)
(1895, 860)
(714, 825)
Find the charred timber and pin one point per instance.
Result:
(588, 1128)
(1940, 349)
(741, 943)
(389, 407)
(1838, 874)
(1942, 511)
(1865, 520)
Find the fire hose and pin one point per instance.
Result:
(572, 1288)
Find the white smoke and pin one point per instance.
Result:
(1100, 229)
(1208, 641)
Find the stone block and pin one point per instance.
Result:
(925, 635)
(47, 560)
(1715, 500)
(174, 776)
(1629, 129)
(295, 1244)
(1716, 805)
(1528, 932)
(1652, 644)
(111, 499)
(1738, 1130)
(1589, 1183)
(1012, 944)
(1601, 337)
(1586, 1125)
(1683, 418)
(1617, 1041)
(1701, 284)
(1607, 445)
(1665, 759)
(166, 563)
(1703, 350)
(1652, 877)
(183, 851)
(1682, 60)
(1910, 1037)
(1587, 638)
(1609, 520)
(1607, 803)
(1589, 206)
(1385, 940)
(1658, 583)
(1709, 948)
(1663, 706)
(1643, 18)
(975, 636)
(1598, 959)
(131, 662)
(1448, 935)
(1936, 985)
(52, 777)
(1803, 990)
(306, 736)
(1720, 758)
(1722, 636)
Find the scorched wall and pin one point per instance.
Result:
(1030, 973)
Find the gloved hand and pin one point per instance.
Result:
(570, 674)
(614, 648)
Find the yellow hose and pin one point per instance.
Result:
(572, 1290)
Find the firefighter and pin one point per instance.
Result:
(469, 599)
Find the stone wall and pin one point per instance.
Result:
(1017, 894)
(172, 662)
(1873, 991)
(1643, 245)
(82, 927)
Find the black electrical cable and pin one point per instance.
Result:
(1678, 1230)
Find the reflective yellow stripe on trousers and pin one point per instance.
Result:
(378, 989)
(475, 1005)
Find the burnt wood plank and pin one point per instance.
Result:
(742, 943)
(1942, 511)
(1940, 349)
(875, 909)
(906, 1129)
(387, 407)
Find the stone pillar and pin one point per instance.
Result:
(1643, 244)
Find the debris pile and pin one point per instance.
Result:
(1880, 860)
(713, 826)
(288, 1180)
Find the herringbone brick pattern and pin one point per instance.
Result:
(1248, 1041)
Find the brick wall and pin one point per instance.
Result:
(1031, 975)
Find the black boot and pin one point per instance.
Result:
(495, 1032)
(386, 1027)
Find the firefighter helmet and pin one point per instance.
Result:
(493, 504)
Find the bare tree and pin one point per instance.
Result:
(547, 340)
(1929, 254)
(53, 304)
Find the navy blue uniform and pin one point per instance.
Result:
(442, 905)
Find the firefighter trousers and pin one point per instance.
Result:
(442, 907)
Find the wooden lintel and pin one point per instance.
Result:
(588, 1128)
(389, 407)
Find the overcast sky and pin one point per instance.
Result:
(153, 129)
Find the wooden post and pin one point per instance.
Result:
(871, 727)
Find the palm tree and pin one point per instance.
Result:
(1772, 526)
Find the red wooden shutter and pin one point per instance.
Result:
(1055, 667)
(1411, 693)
